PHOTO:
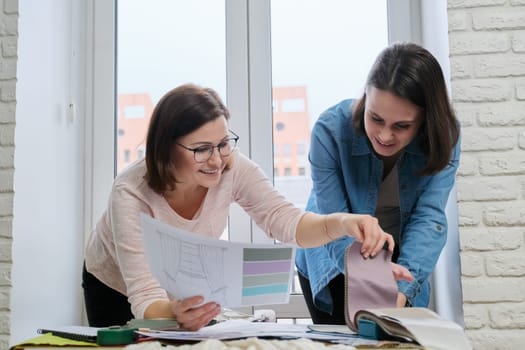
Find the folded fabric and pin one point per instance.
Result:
(370, 283)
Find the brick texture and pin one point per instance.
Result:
(8, 62)
(487, 60)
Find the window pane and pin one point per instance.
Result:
(162, 44)
(322, 51)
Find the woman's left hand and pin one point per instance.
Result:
(401, 300)
(401, 272)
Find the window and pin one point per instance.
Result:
(135, 111)
(287, 150)
(275, 89)
(140, 153)
(147, 70)
(293, 105)
(301, 148)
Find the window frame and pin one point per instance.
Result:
(248, 93)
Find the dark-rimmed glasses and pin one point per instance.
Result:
(203, 153)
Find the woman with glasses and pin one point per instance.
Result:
(191, 174)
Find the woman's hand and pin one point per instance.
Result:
(366, 229)
(401, 300)
(401, 273)
(193, 317)
(314, 230)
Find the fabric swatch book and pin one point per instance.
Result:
(370, 307)
(412, 325)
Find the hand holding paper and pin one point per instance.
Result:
(229, 273)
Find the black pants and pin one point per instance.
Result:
(337, 290)
(104, 306)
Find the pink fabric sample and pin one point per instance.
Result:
(370, 283)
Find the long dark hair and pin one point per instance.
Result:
(178, 113)
(411, 72)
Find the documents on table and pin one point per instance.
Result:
(232, 274)
(236, 329)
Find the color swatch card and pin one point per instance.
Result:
(232, 274)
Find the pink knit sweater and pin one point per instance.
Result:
(115, 252)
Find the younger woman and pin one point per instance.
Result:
(392, 153)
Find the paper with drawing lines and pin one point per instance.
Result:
(232, 274)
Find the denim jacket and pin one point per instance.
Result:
(346, 177)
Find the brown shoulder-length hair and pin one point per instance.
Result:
(178, 113)
(411, 72)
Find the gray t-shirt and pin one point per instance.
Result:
(387, 209)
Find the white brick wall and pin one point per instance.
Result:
(8, 59)
(487, 54)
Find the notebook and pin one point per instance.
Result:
(80, 333)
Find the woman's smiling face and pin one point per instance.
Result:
(391, 122)
(206, 174)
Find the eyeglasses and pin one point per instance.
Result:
(203, 153)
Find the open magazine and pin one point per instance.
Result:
(412, 324)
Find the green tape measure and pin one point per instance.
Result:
(116, 335)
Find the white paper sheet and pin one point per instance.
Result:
(234, 329)
(230, 273)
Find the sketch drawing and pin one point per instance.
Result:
(185, 265)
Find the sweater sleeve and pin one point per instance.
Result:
(254, 192)
(124, 215)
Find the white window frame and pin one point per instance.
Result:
(100, 109)
(248, 93)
